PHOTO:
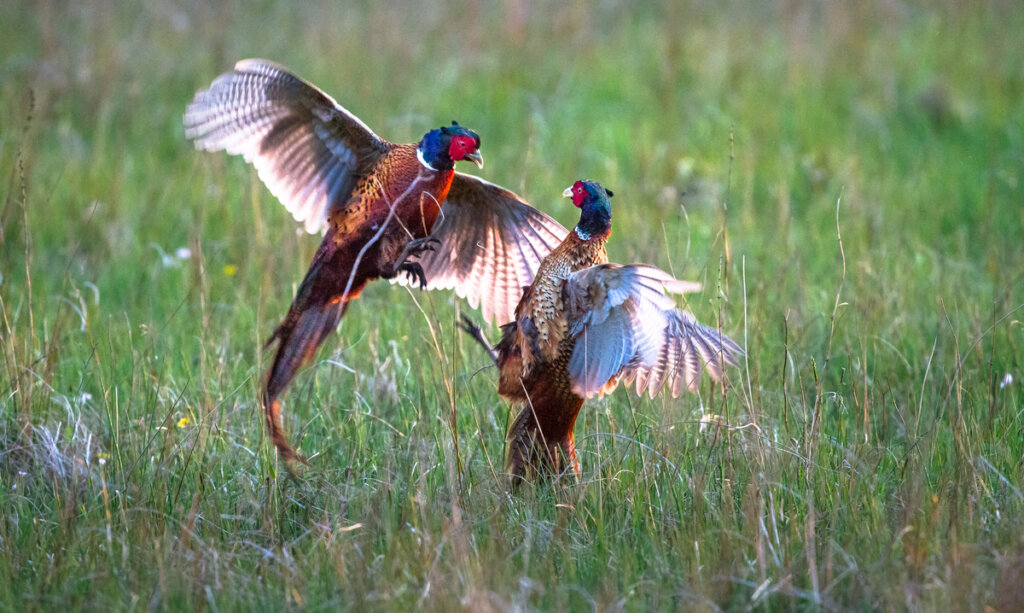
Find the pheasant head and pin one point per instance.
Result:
(595, 207)
(441, 148)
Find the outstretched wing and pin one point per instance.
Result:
(627, 327)
(307, 148)
(492, 243)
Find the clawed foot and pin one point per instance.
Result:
(416, 247)
(477, 334)
(415, 272)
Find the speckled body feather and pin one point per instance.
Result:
(397, 180)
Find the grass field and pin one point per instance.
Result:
(844, 178)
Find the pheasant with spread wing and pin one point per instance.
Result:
(582, 326)
(398, 212)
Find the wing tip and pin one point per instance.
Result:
(247, 64)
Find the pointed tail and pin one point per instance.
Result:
(298, 337)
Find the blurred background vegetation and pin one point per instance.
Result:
(843, 177)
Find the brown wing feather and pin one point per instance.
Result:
(492, 242)
(307, 149)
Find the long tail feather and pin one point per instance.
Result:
(298, 337)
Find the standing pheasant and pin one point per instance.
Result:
(584, 324)
(379, 205)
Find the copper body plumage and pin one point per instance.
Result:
(391, 211)
(583, 326)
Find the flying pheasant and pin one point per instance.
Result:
(379, 205)
(581, 327)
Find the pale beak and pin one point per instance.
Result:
(476, 158)
(567, 193)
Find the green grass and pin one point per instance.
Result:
(872, 460)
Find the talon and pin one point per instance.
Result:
(469, 326)
(415, 273)
(415, 270)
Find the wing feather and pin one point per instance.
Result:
(627, 328)
(306, 148)
(492, 242)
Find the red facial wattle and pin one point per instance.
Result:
(461, 147)
(466, 148)
(579, 193)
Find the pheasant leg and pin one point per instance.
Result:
(413, 248)
(477, 334)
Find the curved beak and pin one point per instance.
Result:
(476, 158)
(567, 193)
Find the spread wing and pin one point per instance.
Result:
(492, 243)
(627, 327)
(307, 148)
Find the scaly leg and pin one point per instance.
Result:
(477, 334)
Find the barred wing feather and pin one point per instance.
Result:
(306, 148)
(492, 242)
(628, 328)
